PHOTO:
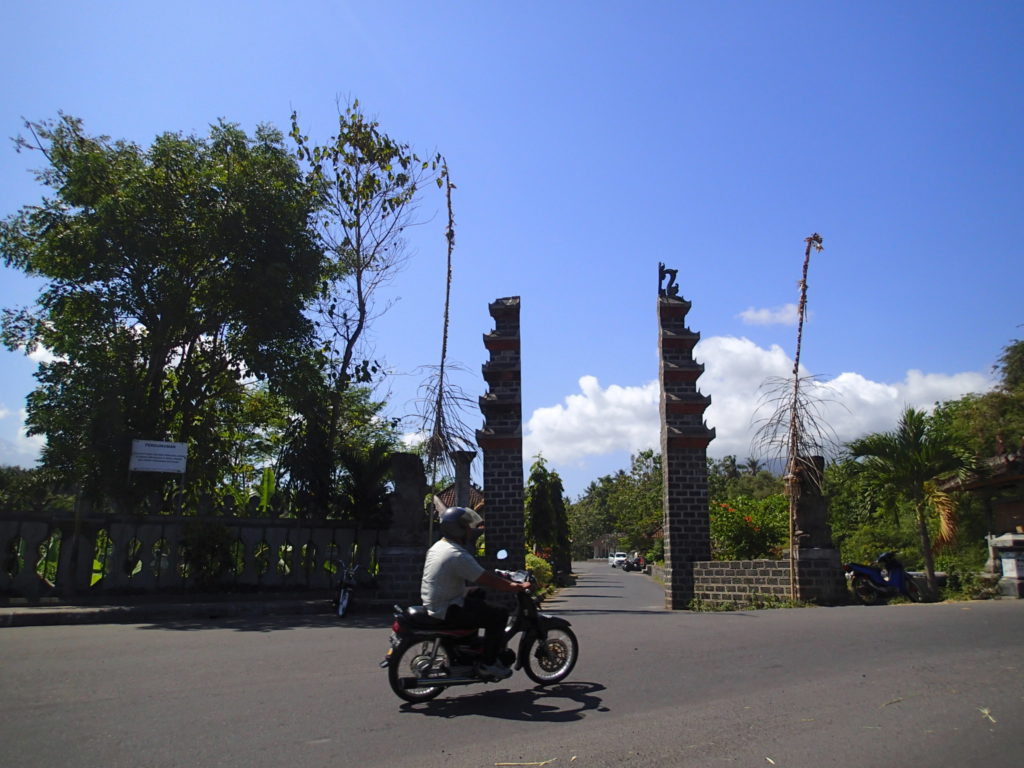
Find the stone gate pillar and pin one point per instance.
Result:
(819, 573)
(501, 438)
(405, 546)
(684, 442)
(463, 461)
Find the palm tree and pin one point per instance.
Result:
(903, 465)
(752, 466)
(729, 467)
(364, 487)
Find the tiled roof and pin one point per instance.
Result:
(476, 497)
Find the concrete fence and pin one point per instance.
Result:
(129, 554)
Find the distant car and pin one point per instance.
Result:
(617, 559)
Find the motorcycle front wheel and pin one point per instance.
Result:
(864, 592)
(556, 664)
(413, 658)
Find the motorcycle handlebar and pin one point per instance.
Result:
(517, 576)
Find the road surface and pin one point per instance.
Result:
(936, 685)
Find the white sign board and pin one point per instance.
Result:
(153, 456)
(1013, 564)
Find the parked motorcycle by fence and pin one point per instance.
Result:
(426, 656)
(346, 583)
(875, 584)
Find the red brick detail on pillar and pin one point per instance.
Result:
(684, 442)
(500, 439)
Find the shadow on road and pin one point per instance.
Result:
(375, 620)
(611, 611)
(579, 595)
(563, 703)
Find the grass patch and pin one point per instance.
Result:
(754, 603)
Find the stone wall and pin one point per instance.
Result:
(401, 569)
(740, 581)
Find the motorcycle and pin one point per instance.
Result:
(425, 656)
(875, 584)
(636, 564)
(346, 583)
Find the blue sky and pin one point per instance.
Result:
(588, 142)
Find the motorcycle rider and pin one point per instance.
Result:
(449, 565)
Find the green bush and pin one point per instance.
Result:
(864, 544)
(541, 569)
(744, 528)
(965, 577)
(656, 554)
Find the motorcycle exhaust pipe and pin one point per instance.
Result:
(431, 682)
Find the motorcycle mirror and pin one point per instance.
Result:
(502, 554)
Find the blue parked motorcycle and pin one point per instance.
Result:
(875, 584)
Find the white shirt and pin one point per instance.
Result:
(447, 569)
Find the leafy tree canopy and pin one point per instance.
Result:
(547, 524)
(626, 505)
(172, 275)
(991, 423)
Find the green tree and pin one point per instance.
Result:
(591, 517)
(903, 466)
(637, 501)
(316, 467)
(1011, 366)
(547, 523)
(729, 467)
(752, 466)
(174, 276)
(625, 506)
(725, 483)
(364, 485)
(366, 187)
(35, 491)
(990, 424)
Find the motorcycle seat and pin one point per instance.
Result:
(418, 616)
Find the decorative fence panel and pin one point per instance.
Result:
(126, 554)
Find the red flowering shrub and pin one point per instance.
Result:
(749, 529)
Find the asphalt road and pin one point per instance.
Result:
(936, 685)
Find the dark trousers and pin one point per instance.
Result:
(476, 613)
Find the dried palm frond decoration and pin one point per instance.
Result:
(796, 429)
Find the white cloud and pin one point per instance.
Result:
(599, 421)
(22, 451)
(412, 440)
(42, 355)
(784, 315)
(596, 421)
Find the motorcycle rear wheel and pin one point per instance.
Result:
(913, 591)
(555, 666)
(864, 593)
(412, 658)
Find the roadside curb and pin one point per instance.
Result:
(29, 616)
